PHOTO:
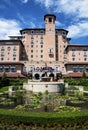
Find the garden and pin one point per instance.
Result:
(25, 110)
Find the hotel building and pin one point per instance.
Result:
(37, 48)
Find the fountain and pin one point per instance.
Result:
(45, 83)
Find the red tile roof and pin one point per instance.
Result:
(75, 75)
(13, 75)
(76, 45)
(10, 63)
(76, 63)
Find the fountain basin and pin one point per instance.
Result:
(52, 87)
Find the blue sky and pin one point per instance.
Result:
(71, 15)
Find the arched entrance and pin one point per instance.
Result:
(51, 75)
(43, 75)
(37, 76)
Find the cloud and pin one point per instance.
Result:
(8, 28)
(24, 1)
(46, 3)
(21, 18)
(73, 7)
(74, 10)
(77, 7)
(58, 24)
(78, 30)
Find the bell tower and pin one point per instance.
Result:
(50, 23)
(49, 37)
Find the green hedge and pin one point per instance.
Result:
(30, 118)
(77, 81)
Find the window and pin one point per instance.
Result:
(2, 53)
(41, 31)
(23, 32)
(50, 50)
(75, 68)
(73, 59)
(81, 68)
(2, 49)
(32, 37)
(23, 37)
(32, 32)
(1, 69)
(31, 56)
(41, 56)
(14, 53)
(32, 42)
(41, 37)
(31, 46)
(62, 69)
(50, 19)
(73, 53)
(37, 34)
(85, 54)
(14, 48)
(73, 49)
(13, 69)
(86, 68)
(6, 68)
(14, 58)
(64, 33)
(41, 46)
(41, 51)
(56, 32)
(41, 42)
(85, 49)
(31, 51)
(8, 48)
(37, 41)
(85, 59)
(2, 58)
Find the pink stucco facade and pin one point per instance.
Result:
(37, 47)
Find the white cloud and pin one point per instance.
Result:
(75, 7)
(77, 10)
(8, 28)
(46, 3)
(32, 25)
(78, 7)
(24, 1)
(78, 30)
(21, 18)
(58, 24)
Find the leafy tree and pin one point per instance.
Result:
(4, 80)
(84, 74)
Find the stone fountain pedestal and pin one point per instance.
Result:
(42, 86)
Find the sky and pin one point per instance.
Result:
(71, 15)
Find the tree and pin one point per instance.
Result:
(84, 74)
(4, 80)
